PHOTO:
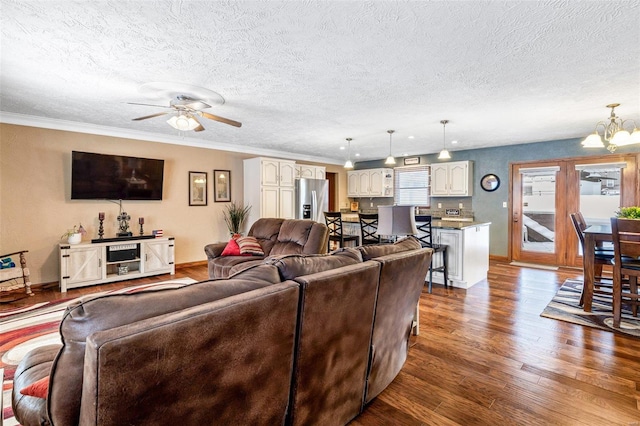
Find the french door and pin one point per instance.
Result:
(544, 193)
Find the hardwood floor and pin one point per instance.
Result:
(485, 357)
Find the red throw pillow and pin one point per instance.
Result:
(39, 389)
(232, 249)
(249, 245)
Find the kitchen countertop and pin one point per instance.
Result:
(436, 223)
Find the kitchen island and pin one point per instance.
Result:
(467, 251)
(467, 248)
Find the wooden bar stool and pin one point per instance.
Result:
(336, 231)
(426, 240)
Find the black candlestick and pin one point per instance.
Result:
(101, 227)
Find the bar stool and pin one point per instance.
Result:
(425, 236)
(336, 231)
(368, 228)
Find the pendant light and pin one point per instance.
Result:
(444, 154)
(390, 160)
(348, 164)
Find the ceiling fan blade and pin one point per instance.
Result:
(157, 106)
(220, 119)
(200, 126)
(158, 114)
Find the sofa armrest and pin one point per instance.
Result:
(214, 250)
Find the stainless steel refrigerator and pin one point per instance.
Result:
(312, 199)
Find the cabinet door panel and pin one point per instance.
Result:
(458, 179)
(363, 182)
(270, 202)
(287, 203)
(287, 174)
(321, 173)
(453, 241)
(83, 265)
(270, 172)
(158, 256)
(375, 182)
(352, 184)
(439, 183)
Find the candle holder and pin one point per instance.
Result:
(141, 222)
(101, 227)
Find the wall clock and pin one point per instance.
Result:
(490, 182)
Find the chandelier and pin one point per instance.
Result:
(613, 132)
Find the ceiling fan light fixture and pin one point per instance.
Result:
(444, 154)
(390, 160)
(183, 122)
(348, 164)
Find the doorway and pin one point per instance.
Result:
(544, 193)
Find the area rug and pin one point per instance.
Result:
(565, 307)
(25, 328)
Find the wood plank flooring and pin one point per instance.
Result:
(485, 357)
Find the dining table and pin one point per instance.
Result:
(594, 235)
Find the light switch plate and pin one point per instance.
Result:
(504, 204)
(439, 205)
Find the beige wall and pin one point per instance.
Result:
(35, 205)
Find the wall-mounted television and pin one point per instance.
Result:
(115, 177)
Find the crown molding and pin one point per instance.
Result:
(94, 129)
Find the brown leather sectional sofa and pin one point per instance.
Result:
(275, 236)
(296, 339)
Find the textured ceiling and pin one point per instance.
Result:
(304, 75)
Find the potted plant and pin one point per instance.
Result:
(235, 216)
(74, 236)
(629, 212)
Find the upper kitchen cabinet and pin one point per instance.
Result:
(452, 179)
(277, 172)
(370, 183)
(306, 171)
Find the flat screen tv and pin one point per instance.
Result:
(115, 177)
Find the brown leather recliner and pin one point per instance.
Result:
(276, 236)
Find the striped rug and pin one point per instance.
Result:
(22, 329)
(565, 307)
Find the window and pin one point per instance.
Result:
(412, 186)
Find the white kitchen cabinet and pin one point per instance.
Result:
(370, 183)
(306, 171)
(88, 264)
(452, 179)
(276, 198)
(467, 254)
(277, 172)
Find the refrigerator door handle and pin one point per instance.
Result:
(314, 206)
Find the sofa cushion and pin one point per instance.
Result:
(222, 266)
(296, 265)
(376, 250)
(292, 238)
(250, 245)
(255, 270)
(266, 231)
(231, 249)
(38, 389)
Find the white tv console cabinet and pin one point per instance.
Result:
(116, 259)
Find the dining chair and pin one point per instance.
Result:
(336, 230)
(626, 261)
(601, 257)
(368, 228)
(425, 236)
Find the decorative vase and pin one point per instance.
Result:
(74, 238)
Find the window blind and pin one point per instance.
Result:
(412, 186)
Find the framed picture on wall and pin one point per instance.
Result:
(221, 186)
(197, 188)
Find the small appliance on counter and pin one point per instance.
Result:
(355, 206)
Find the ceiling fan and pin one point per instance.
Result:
(185, 113)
